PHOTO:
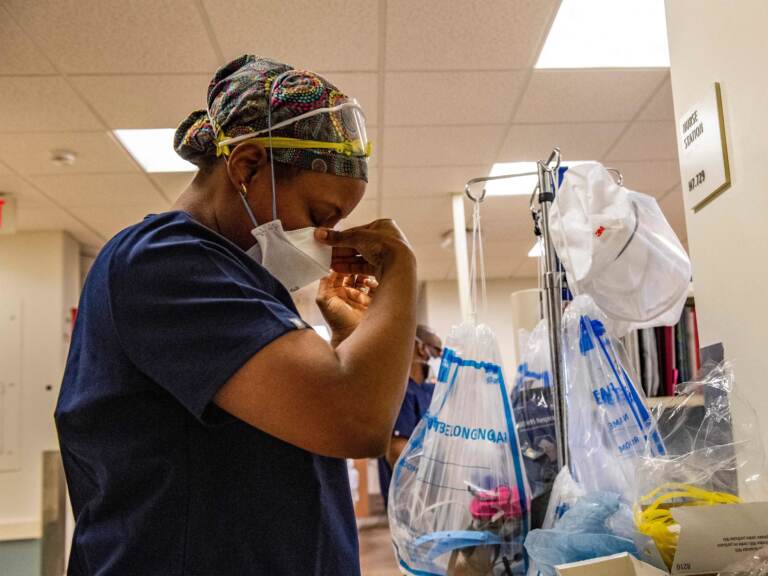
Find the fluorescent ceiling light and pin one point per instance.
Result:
(607, 34)
(323, 332)
(521, 186)
(153, 150)
(537, 250)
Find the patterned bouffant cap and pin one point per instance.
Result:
(241, 98)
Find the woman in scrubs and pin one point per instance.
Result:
(203, 426)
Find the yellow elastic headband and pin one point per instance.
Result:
(346, 148)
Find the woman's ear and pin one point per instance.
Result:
(247, 163)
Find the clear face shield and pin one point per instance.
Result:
(348, 121)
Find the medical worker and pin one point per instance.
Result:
(427, 349)
(203, 424)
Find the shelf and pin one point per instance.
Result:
(668, 402)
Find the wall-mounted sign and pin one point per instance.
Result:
(703, 150)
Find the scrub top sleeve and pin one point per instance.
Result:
(189, 314)
(407, 419)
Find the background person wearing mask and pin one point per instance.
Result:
(427, 349)
(203, 427)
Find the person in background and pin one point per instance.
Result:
(427, 350)
(203, 425)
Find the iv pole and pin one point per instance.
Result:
(547, 174)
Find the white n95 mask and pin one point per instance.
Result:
(294, 257)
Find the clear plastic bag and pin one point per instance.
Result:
(595, 524)
(610, 428)
(714, 456)
(755, 565)
(532, 403)
(459, 501)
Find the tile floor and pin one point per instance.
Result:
(376, 555)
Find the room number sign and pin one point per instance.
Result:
(703, 150)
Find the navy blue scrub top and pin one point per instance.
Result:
(162, 481)
(415, 406)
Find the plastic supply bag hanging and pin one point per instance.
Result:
(609, 426)
(459, 501)
(532, 399)
(616, 246)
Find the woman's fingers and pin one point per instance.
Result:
(358, 266)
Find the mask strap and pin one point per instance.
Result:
(243, 194)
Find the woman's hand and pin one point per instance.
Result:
(343, 300)
(374, 249)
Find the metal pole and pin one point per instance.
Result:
(554, 309)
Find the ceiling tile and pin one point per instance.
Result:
(364, 87)
(172, 183)
(42, 104)
(576, 141)
(11, 184)
(109, 190)
(41, 218)
(647, 141)
(653, 178)
(422, 98)
(674, 210)
(441, 145)
(430, 180)
(108, 221)
(443, 35)
(586, 95)
(661, 106)
(330, 35)
(514, 210)
(364, 213)
(144, 101)
(20, 56)
(51, 218)
(422, 219)
(96, 152)
(433, 262)
(97, 37)
(433, 270)
(502, 259)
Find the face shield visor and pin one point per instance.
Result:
(347, 118)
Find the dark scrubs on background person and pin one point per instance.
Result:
(418, 395)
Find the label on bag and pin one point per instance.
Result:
(713, 537)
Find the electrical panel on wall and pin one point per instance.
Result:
(10, 385)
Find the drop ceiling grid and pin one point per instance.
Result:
(385, 58)
(68, 212)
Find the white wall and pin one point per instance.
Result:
(443, 312)
(40, 270)
(724, 41)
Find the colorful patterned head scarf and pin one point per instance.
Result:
(238, 100)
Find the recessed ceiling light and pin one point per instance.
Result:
(521, 186)
(536, 251)
(153, 150)
(607, 34)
